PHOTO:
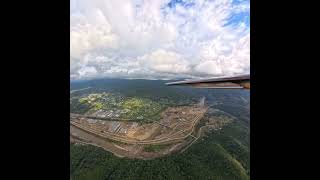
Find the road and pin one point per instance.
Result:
(196, 138)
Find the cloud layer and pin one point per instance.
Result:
(158, 39)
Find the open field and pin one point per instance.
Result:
(115, 106)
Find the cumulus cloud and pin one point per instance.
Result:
(158, 39)
(164, 62)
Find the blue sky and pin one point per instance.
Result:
(243, 17)
(173, 3)
(234, 19)
(159, 39)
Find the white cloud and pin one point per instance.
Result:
(164, 62)
(87, 71)
(147, 39)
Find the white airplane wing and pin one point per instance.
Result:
(234, 82)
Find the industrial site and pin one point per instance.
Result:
(173, 132)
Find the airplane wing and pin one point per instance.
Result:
(234, 82)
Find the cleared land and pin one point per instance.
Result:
(176, 129)
(140, 140)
